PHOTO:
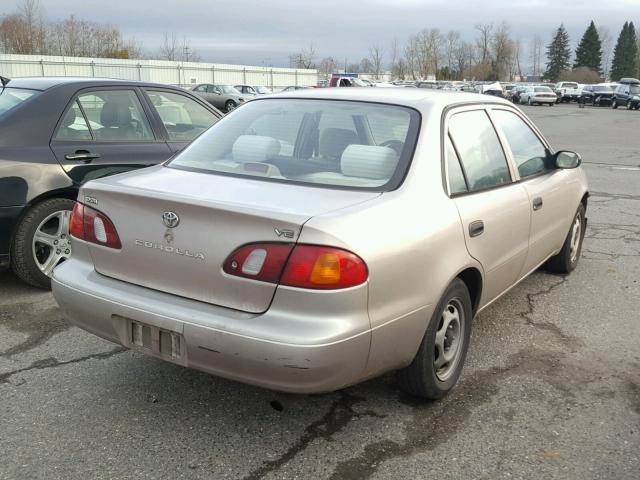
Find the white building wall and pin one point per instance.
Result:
(157, 71)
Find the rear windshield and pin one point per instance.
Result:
(635, 89)
(602, 88)
(324, 142)
(12, 97)
(543, 89)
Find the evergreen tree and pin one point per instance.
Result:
(589, 51)
(558, 54)
(625, 54)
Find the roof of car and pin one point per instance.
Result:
(400, 96)
(44, 83)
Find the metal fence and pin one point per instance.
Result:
(157, 71)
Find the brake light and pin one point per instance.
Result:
(313, 266)
(92, 226)
(302, 266)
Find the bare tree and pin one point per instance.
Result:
(327, 66)
(502, 48)
(483, 41)
(536, 55)
(376, 60)
(395, 53)
(452, 43)
(304, 58)
(169, 49)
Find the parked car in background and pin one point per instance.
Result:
(627, 94)
(596, 95)
(508, 88)
(307, 269)
(253, 90)
(567, 91)
(427, 84)
(293, 88)
(57, 133)
(538, 95)
(223, 97)
(337, 81)
(515, 93)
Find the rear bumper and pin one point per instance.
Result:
(8, 218)
(544, 99)
(287, 348)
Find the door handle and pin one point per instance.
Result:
(82, 156)
(537, 203)
(476, 228)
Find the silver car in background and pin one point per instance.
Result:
(315, 239)
(539, 95)
(223, 97)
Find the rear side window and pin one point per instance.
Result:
(528, 151)
(183, 118)
(324, 142)
(115, 116)
(12, 97)
(73, 126)
(479, 149)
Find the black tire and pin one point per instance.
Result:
(614, 104)
(420, 378)
(230, 105)
(563, 262)
(529, 102)
(22, 261)
(629, 106)
(551, 104)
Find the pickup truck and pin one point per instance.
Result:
(567, 91)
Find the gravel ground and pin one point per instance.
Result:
(551, 388)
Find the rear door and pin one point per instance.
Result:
(493, 207)
(106, 131)
(182, 117)
(546, 185)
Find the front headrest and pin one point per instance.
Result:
(254, 148)
(367, 161)
(333, 141)
(115, 114)
(69, 118)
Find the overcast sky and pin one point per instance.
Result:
(265, 32)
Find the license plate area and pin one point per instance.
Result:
(156, 341)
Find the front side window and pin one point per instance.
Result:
(200, 89)
(309, 141)
(528, 151)
(115, 116)
(183, 117)
(480, 151)
(73, 126)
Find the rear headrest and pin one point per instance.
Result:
(115, 114)
(333, 141)
(367, 161)
(254, 148)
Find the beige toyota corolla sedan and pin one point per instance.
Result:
(315, 239)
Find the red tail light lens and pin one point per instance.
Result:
(260, 261)
(324, 268)
(92, 226)
(302, 266)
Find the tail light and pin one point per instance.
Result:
(302, 266)
(92, 226)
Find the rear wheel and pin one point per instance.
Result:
(230, 105)
(629, 106)
(567, 260)
(42, 241)
(438, 363)
(614, 104)
(529, 101)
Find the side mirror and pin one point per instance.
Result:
(567, 159)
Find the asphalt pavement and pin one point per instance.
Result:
(551, 388)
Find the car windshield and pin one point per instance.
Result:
(328, 142)
(262, 90)
(543, 89)
(12, 97)
(228, 89)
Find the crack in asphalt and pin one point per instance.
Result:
(340, 414)
(568, 340)
(51, 362)
(433, 423)
(615, 196)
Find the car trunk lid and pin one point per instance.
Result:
(216, 215)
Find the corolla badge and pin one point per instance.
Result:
(170, 219)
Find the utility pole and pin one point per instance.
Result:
(186, 53)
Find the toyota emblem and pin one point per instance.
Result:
(170, 219)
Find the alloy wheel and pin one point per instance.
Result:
(50, 244)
